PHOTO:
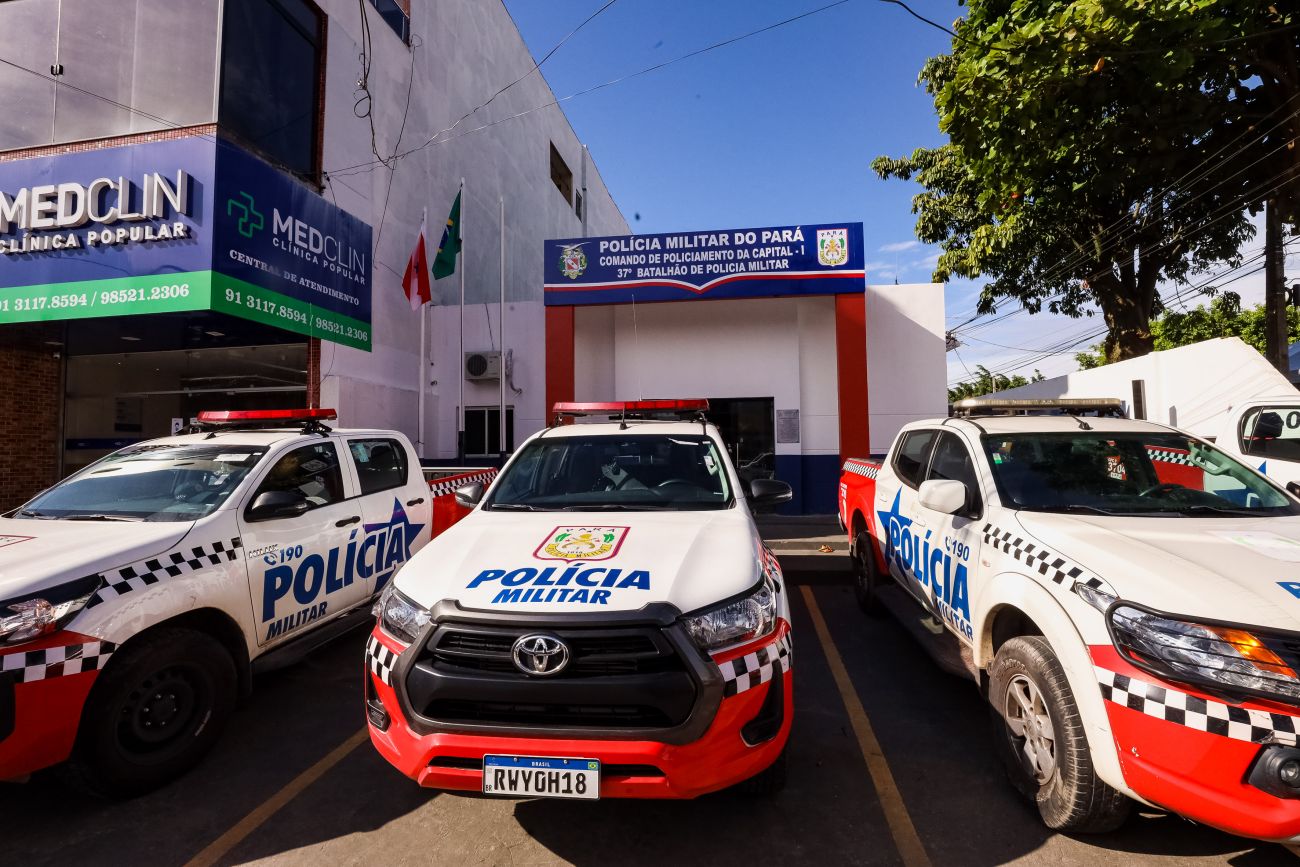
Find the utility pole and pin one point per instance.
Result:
(1275, 301)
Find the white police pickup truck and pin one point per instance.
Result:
(1127, 595)
(138, 596)
(606, 623)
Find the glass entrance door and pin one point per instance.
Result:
(748, 427)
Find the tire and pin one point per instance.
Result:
(767, 782)
(866, 575)
(122, 746)
(1061, 781)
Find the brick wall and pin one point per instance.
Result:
(313, 372)
(31, 374)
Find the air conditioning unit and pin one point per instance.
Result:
(482, 365)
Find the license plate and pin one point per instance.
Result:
(541, 777)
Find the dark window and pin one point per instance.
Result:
(577, 204)
(913, 453)
(951, 461)
(1272, 432)
(561, 174)
(311, 470)
(483, 431)
(380, 464)
(397, 15)
(270, 80)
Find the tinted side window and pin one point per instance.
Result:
(1272, 432)
(912, 456)
(381, 464)
(952, 462)
(311, 470)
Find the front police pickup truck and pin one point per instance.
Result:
(138, 596)
(605, 623)
(1127, 596)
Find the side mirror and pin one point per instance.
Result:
(1293, 488)
(468, 496)
(943, 495)
(766, 494)
(277, 504)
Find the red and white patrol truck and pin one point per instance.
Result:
(606, 623)
(1126, 595)
(138, 596)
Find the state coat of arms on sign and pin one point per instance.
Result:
(572, 261)
(581, 544)
(832, 246)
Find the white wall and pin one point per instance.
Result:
(1190, 387)
(783, 348)
(465, 50)
(906, 370)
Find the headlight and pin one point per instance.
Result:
(1210, 654)
(399, 616)
(735, 622)
(39, 614)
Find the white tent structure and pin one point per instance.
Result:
(1190, 387)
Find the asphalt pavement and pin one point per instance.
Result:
(886, 749)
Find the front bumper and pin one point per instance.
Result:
(1193, 753)
(632, 766)
(43, 688)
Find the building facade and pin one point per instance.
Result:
(210, 205)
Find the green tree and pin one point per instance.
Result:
(986, 382)
(1099, 148)
(1222, 317)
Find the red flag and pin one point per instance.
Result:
(415, 282)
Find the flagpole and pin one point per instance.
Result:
(460, 359)
(501, 380)
(424, 342)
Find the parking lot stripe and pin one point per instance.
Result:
(268, 808)
(900, 824)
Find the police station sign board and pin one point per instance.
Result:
(185, 224)
(774, 261)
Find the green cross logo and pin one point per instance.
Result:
(250, 218)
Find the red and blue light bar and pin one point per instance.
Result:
(629, 406)
(258, 416)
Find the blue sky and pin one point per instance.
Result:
(777, 129)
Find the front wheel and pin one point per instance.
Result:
(1041, 739)
(155, 711)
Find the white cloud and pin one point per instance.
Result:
(900, 246)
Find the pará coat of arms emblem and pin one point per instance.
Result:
(573, 544)
(572, 261)
(832, 246)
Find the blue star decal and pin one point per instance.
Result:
(892, 524)
(399, 523)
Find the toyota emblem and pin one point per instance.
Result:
(540, 655)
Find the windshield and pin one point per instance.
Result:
(1129, 474)
(149, 483)
(634, 472)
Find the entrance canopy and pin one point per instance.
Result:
(179, 225)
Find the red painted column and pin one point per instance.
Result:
(851, 367)
(559, 356)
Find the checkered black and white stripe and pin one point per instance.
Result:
(443, 487)
(1044, 561)
(380, 660)
(1203, 715)
(144, 573)
(57, 661)
(752, 669)
(1170, 456)
(862, 468)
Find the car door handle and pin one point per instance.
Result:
(343, 523)
(417, 501)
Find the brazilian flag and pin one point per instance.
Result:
(444, 263)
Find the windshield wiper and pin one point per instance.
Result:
(32, 513)
(100, 517)
(616, 507)
(1222, 510)
(1079, 507)
(517, 507)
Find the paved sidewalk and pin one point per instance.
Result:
(800, 542)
